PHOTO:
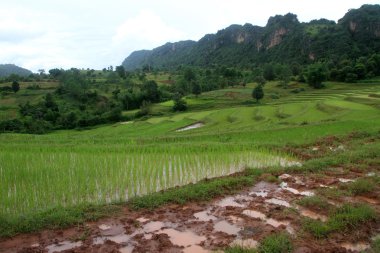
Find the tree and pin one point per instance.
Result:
(268, 72)
(115, 93)
(150, 88)
(15, 86)
(49, 102)
(196, 89)
(284, 76)
(189, 75)
(41, 71)
(55, 72)
(260, 80)
(258, 92)
(121, 71)
(315, 75)
(179, 103)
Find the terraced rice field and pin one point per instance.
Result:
(116, 162)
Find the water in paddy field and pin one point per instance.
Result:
(193, 126)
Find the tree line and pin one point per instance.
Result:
(87, 98)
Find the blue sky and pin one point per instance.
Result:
(43, 34)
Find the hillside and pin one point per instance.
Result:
(8, 69)
(284, 40)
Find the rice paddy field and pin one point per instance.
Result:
(114, 163)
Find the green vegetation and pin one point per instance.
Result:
(375, 245)
(315, 202)
(343, 218)
(258, 93)
(360, 186)
(60, 216)
(53, 218)
(276, 243)
(239, 249)
(120, 161)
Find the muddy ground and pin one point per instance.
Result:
(243, 219)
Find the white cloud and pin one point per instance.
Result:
(148, 29)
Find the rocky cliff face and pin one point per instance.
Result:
(277, 37)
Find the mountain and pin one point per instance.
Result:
(284, 39)
(8, 69)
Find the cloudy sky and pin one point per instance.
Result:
(45, 34)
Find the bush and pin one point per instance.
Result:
(274, 96)
(179, 104)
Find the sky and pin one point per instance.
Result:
(46, 34)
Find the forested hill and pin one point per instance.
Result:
(8, 69)
(284, 40)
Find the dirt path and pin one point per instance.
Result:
(244, 219)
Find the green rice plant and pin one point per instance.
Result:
(59, 177)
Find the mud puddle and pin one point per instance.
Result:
(65, 245)
(229, 201)
(356, 247)
(226, 227)
(185, 239)
(205, 216)
(312, 215)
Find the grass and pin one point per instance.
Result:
(342, 219)
(276, 243)
(240, 249)
(360, 186)
(357, 153)
(315, 202)
(375, 245)
(58, 217)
